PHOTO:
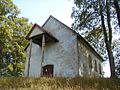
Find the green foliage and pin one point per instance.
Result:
(90, 16)
(12, 39)
(59, 83)
(96, 39)
(87, 23)
(85, 15)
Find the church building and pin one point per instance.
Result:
(56, 50)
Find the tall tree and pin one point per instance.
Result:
(12, 39)
(107, 38)
(89, 14)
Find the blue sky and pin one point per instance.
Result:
(37, 11)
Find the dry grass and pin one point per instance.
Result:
(58, 83)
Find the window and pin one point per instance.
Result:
(90, 62)
(100, 69)
(96, 66)
(48, 70)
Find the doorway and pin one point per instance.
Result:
(48, 70)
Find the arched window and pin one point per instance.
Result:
(90, 61)
(96, 69)
(48, 70)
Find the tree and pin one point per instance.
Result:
(107, 38)
(96, 39)
(90, 14)
(86, 15)
(12, 39)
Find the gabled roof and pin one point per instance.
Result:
(37, 38)
(79, 36)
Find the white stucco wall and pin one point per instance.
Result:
(35, 32)
(35, 61)
(62, 54)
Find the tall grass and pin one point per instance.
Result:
(58, 83)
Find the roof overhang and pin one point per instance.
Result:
(37, 38)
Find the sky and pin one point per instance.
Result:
(37, 11)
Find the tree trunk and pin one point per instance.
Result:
(117, 10)
(108, 21)
(107, 42)
(109, 48)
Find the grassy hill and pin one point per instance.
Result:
(58, 83)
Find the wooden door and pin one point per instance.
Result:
(48, 70)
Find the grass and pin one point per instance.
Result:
(58, 83)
